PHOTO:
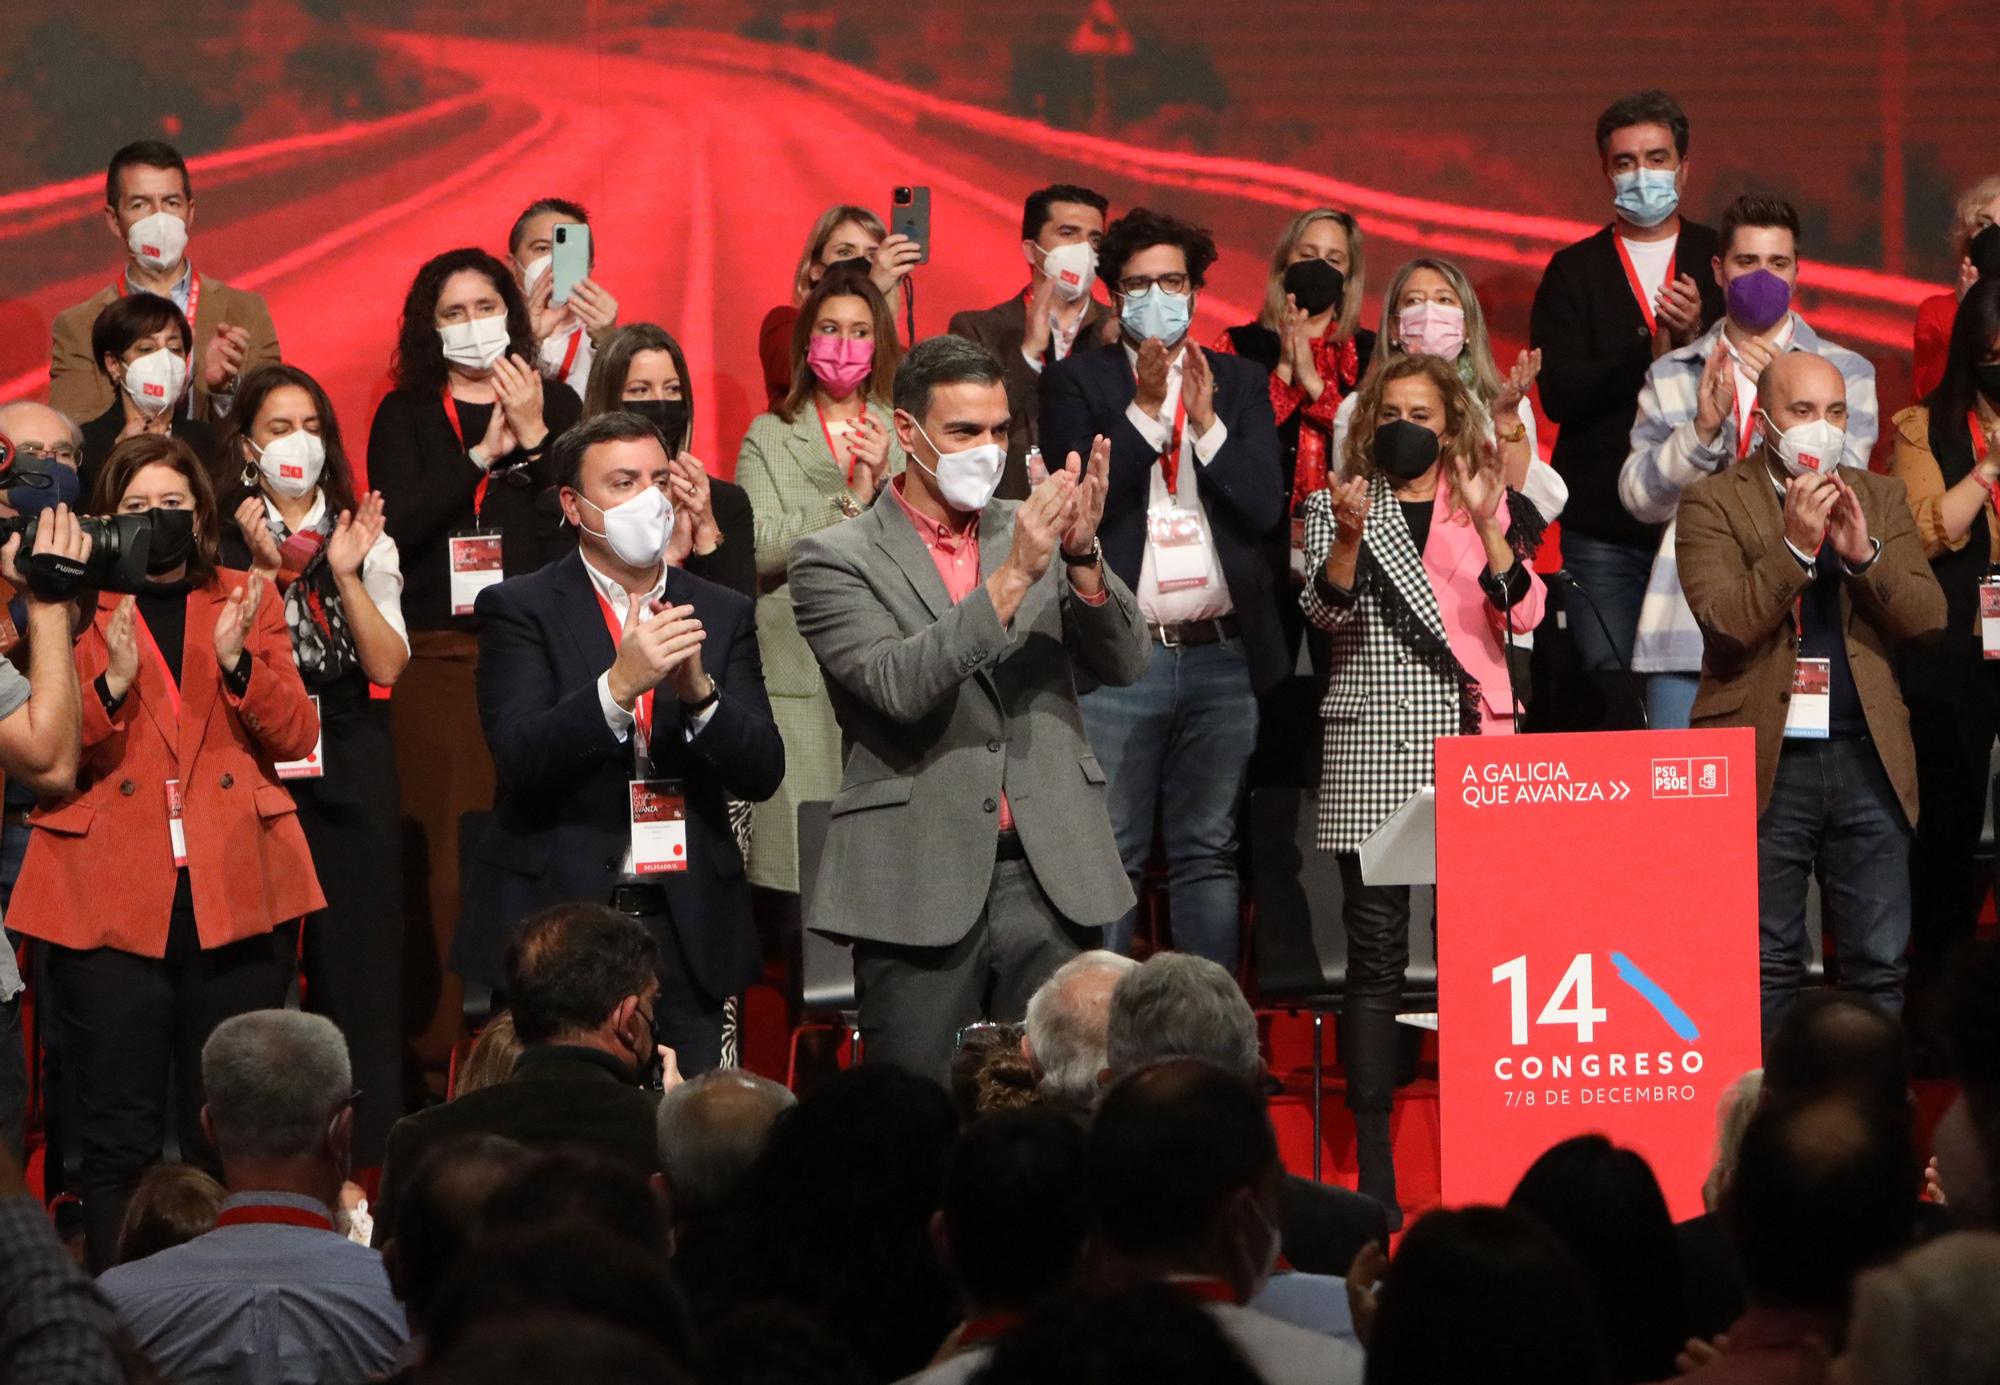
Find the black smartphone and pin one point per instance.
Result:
(910, 215)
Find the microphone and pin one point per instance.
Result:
(1563, 578)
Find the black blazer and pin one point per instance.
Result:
(1242, 489)
(100, 435)
(734, 562)
(560, 817)
(558, 1095)
(1596, 350)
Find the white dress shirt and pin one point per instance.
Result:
(557, 347)
(617, 718)
(1190, 603)
(381, 566)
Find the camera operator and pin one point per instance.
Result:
(39, 716)
(169, 885)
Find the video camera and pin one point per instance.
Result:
(118, 543)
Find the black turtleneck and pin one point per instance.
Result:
(163, 606)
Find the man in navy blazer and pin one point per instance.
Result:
(613, 685)
(1195, 486)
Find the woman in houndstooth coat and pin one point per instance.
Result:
(1418, 557)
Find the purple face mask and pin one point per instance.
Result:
(1758, 300)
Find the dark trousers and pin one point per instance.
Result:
(1954, 742)
(915, 1000)
(686, 1018)
(128, 1023)
(1377, 918)
(1833, 811)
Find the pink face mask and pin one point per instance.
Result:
(841, 363)
(1432, 329)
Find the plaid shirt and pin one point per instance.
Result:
(55, 1327)
(1667, 457)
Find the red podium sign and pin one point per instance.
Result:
(1597, 948)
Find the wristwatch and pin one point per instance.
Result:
(1094, 558)
(714, 696)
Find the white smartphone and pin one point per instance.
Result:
(570, 260)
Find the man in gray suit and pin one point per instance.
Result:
(970, 849)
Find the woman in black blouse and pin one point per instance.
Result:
(460, 453)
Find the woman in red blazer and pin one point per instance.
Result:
(168, 885)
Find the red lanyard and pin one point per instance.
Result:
(569, 356)
(642, 710)
(833, 451)
(166, 670)
(1205, 1290)
(1743, 429)
(273, 1215)
(194, 294)
(1170, 459)
(1632, 278)
(457, 431)
(977, 1330)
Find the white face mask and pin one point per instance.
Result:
(966, 479)
(292, 464)
(155, 381)
(158, 240)
(637, 529)
(1073, 267)
(477, 344)
(1816, 448)
(537, 267)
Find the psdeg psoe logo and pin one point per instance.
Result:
(1700, 777)
(1573, 1003)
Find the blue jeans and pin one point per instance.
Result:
(1670, 700)
(1833, 810)
(1613, 577)
(1176, 745)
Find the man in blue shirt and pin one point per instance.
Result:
(275, 1294)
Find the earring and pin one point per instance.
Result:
(249, 475)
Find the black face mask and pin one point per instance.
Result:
(1984, 252)
(1988, 377)
(670, 416)
(173, 540)
(1404, 450)
(1315, 285)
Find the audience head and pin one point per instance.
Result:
(48, 449)
(1732, 1116)
(1011, 1225)
(1155, 265)
(1605, 1206)
(1932, 1318)
(988, 1073)
(531, 243)
(1837, 1042)
(642, 371)
(1802, 401)
(574, 1185)
(1318, 265)
(275, 402)
(1972, 359)
(492, 1057)
(1068, 1019)
(603, 463)
(1757, 261)
(1482, 1293)
(836, 1214)
(584, 974)
(777, 1344)
(1431, 310)
(149, 203)
(844, 237)
(463, 312)
(1183, 1175)
(143, 345)
(1977, 210)
(173, 1204)
(550, 1345)
(1145, 1333)
(439, 1212)
(844, 341)
(1060, 216)
(1642, 145)
(1177, 1005)
(950, 390)
(159, 473)
(1401, 401)
(710, 1131)
(1968, 1138)
(279, 1095)
(1824, 1188)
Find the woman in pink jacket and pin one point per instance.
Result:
(1418, 555)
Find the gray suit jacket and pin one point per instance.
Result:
(942, 707)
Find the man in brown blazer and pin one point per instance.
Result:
(1056, 314)
(149, 207)
(1806, 576)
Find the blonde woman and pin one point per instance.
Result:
(1977, 255)
(849, 237)
(1418, 562)
(820, 456)
(1310, 338)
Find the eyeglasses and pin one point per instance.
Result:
(1139, 283)
(61, 452)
